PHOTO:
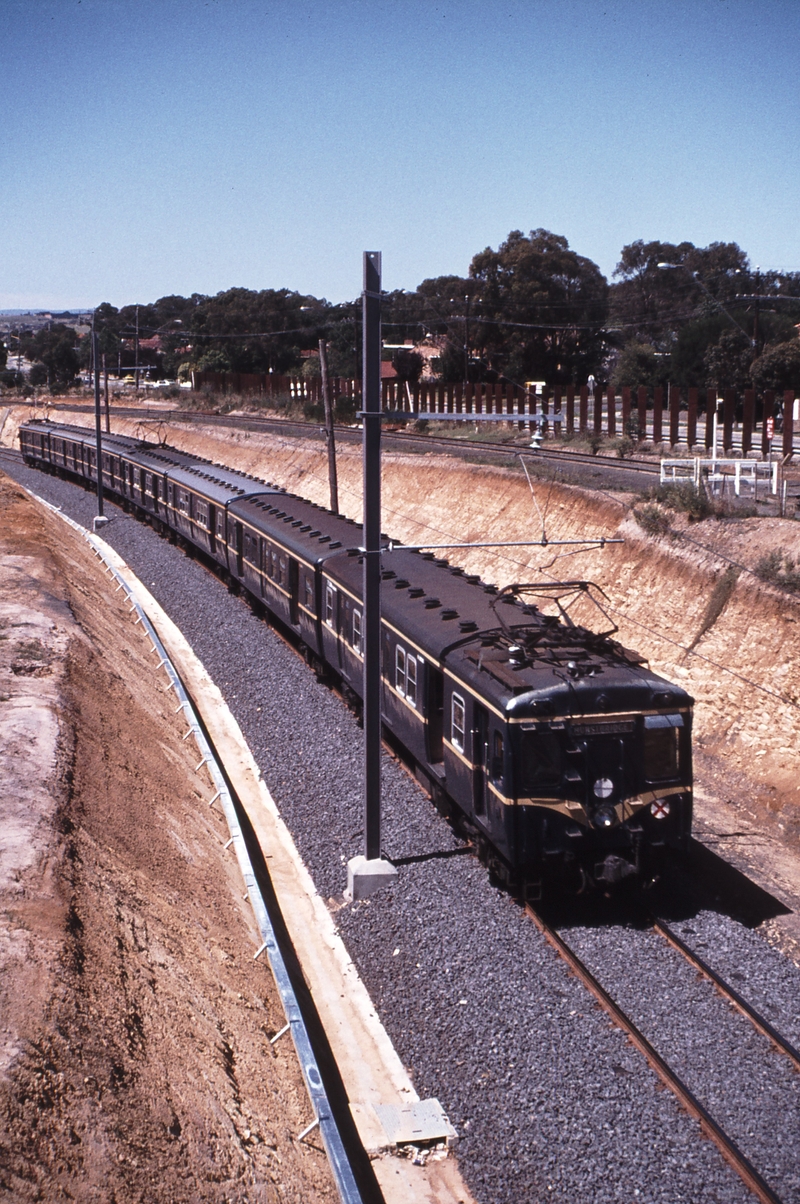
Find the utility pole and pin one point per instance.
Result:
(136, 349)
(105, 394)
(100, 519)
(366, 874)
(466, 340)
(326, 401)
(755, 313)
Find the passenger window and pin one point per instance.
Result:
(458, 722)
(330, 605)
(411, 679)
(309, 594)
(400, 671)
(357, 630)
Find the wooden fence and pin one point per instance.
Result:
(666, 418)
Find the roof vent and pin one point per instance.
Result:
(388, 574)
(416, 592)
(336, 543)
(401, 583)
(432, 603)
(449, 614)
(467, 625)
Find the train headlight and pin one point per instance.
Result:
(660, 808)
(604, 817)
(603, 788)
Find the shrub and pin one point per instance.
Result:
(624, 447)
(781, 570)
(652, 519)
(683, 498)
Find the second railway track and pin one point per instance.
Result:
(631, 472)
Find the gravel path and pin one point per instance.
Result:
(551, 1101)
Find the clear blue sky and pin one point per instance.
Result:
(177, 146)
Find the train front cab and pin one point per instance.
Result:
(603, 796)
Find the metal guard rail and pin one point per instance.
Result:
(323, 1114)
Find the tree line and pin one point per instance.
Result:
(534, 309)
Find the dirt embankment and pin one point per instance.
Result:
(135, 1062)
(662, 592)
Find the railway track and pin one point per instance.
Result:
(729, 1149)
(625, 471)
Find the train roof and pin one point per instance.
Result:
(218, 481)
(526, 662)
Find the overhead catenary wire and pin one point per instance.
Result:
(290, 445)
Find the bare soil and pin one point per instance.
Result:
(135, 1062)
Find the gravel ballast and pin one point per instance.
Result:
(550, 1100)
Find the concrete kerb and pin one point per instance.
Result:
(371, 1070)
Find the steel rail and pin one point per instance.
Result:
(727, 1147)
(304, 429)
(324, 1117)
(758, 1021)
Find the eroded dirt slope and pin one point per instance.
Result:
(135, 1063)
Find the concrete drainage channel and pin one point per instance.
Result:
(406, 1122)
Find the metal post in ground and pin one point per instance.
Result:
(136, 351)
(100, 519)
(105, 395)
(329, 435)
(365, 874)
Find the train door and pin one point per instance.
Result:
(238, 537)
(263, 564)
(480, 757)
(434, 711)
(294, 592)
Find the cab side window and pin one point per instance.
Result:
(330, 606)
(457, 722)
(496, 762)
(400, 670)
